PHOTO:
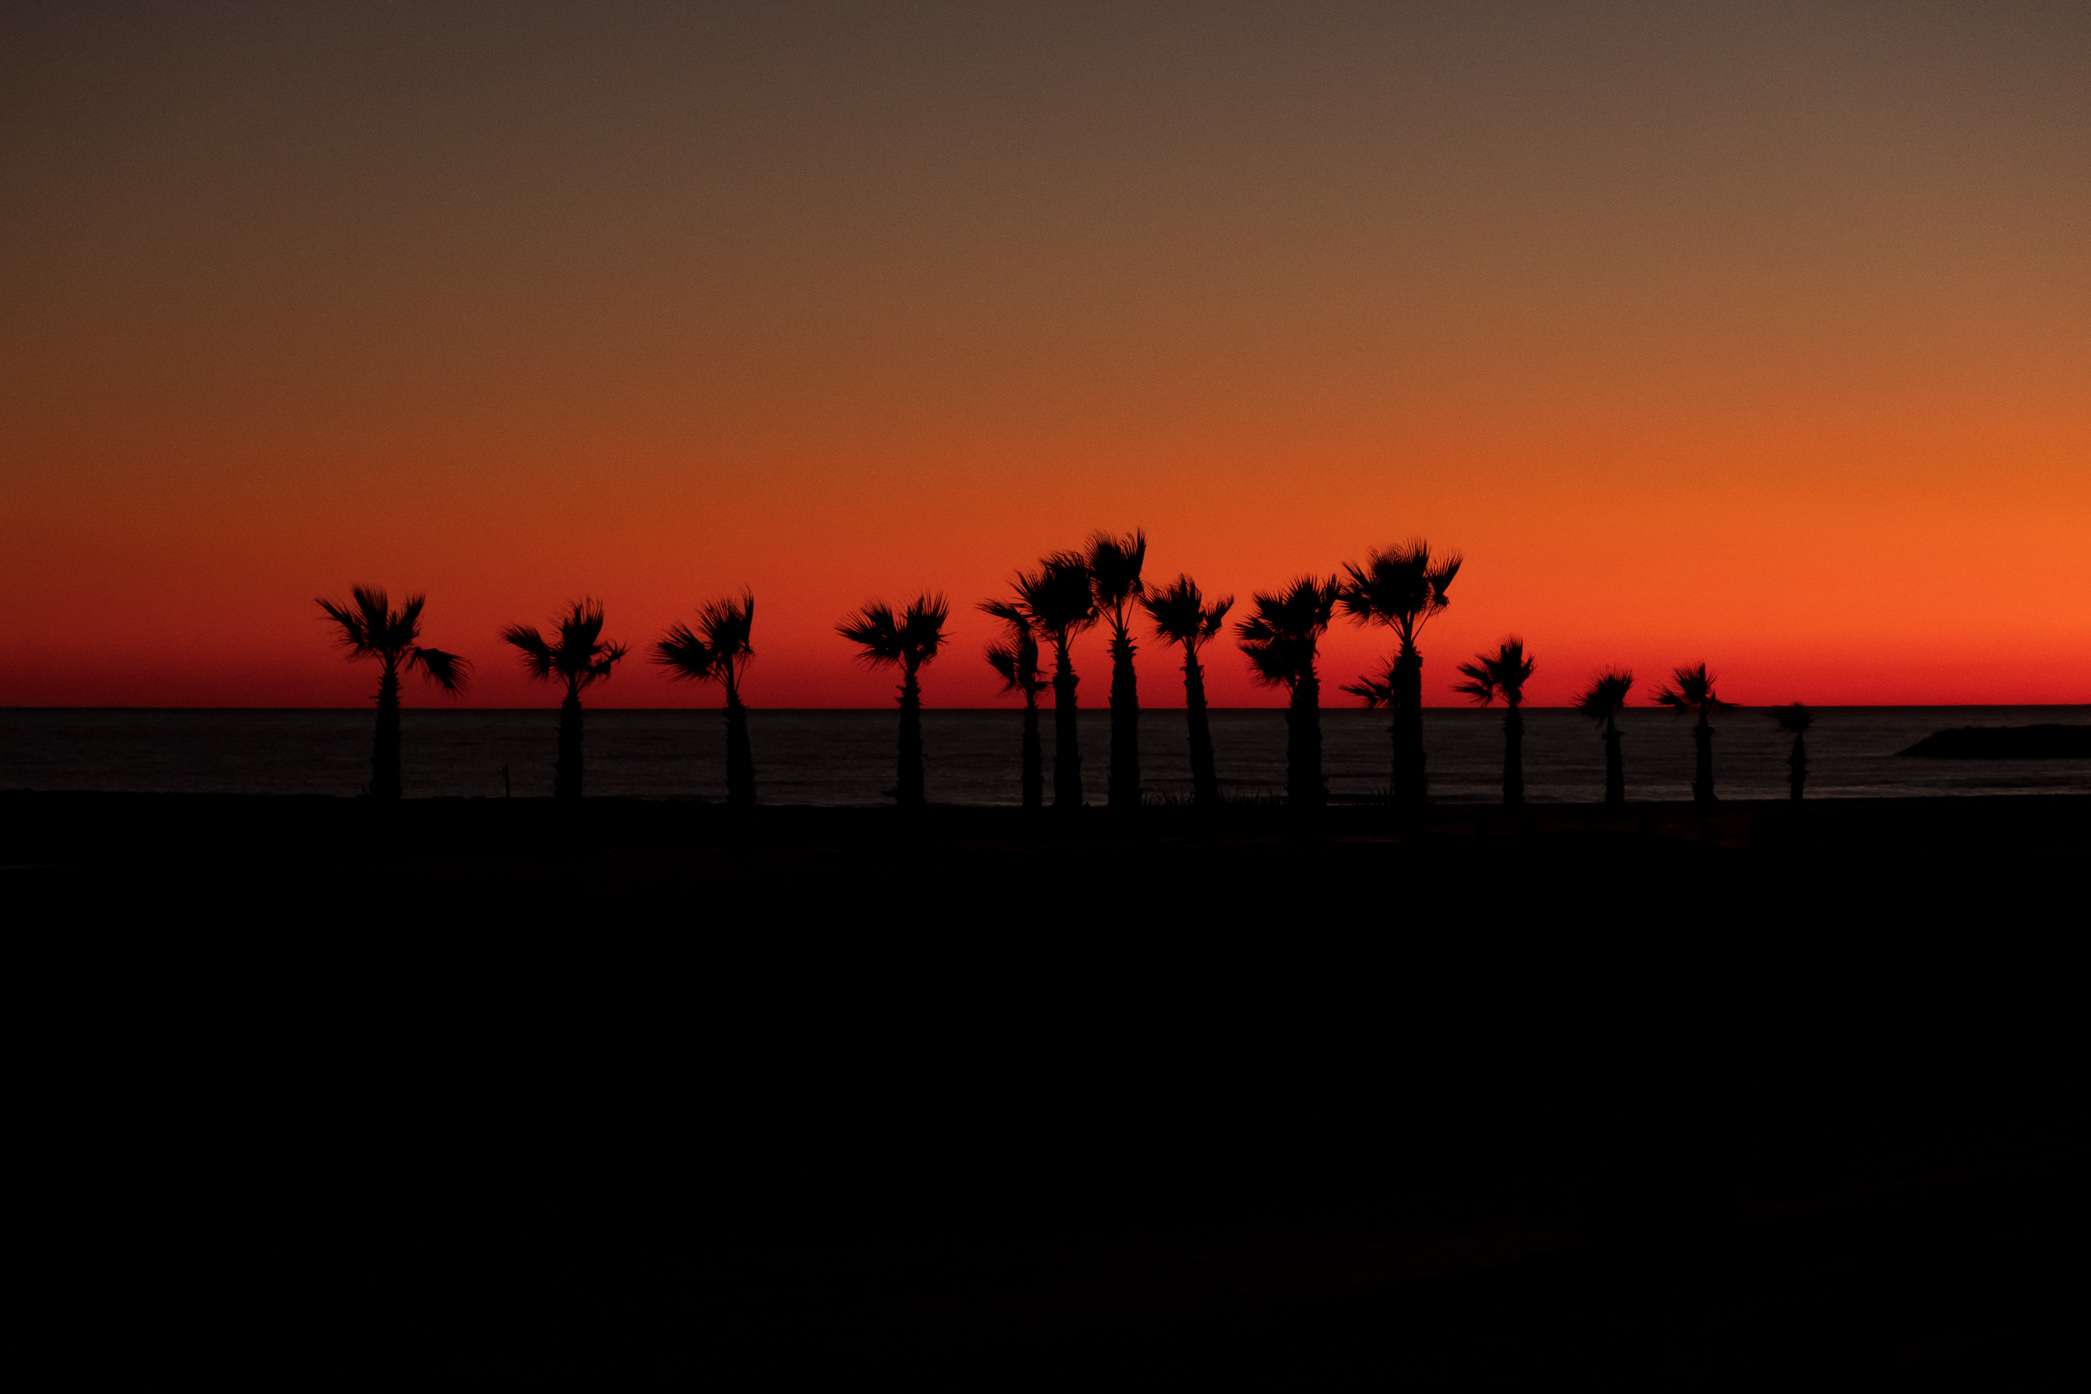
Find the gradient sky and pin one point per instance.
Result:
(1753, 332)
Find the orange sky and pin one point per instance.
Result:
(1760, 334)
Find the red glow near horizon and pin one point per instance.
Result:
(1761, 342)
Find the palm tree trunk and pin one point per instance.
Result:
(1702, 774)
(1304, 789)
(1205, 781)
(1034, 760)
(910, 778)
(1615, 767)
(1408, 728)
(384, 750)
(1123, 791)
(1513, 758)
(740, 757)
(1797, 766)
(1067, 740)
(566, 778)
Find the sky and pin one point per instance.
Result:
(1757, 333)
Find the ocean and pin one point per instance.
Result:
(846, 757)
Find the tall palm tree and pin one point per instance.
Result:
(1060, 603)
(1015, 657)
(1602, 702)
(907, 641)
(1795, 719)
(1114, 574)
(1504, 674)
(717, 650)
(578, 658)
(1181, 616)
(1404, 588)
(1280, 638)
(1692, 690)
(371, 628)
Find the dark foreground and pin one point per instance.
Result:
(485, 1095)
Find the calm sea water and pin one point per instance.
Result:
(831, 757)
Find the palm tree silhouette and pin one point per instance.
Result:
(1602, 702)
(1114, 574)
(578, 658)
(1403, 588)
(717, 650)
(1280, 639)
(1181, 616)
(1795, 719)
(371, 628)
(1692, 690)
(1060, 603)
(1504, 674)
(1016, 659)
(906, 640)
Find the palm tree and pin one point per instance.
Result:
(1016, 659)
(578, 658)
(1795, 719)
(1280, 639)
(1114, 575)
(371, 628)
(906, 640)
(1504, 674)
(1060, 603)
(1602, 703)
(717, 650)
(1402, 587)
(1181, 616)
(1692, 690)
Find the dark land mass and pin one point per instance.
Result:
(2053, 741)
(454, 1094)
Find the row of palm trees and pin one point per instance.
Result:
(1401, 588)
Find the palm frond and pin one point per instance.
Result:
(1605, 698)
(403, 626)
(1180, 613)
(1283, 630)
(685, 655)
(1480, 681)
(375, 607)
(538, 657)
(922, 625)
(446, 670)
(873, 630)
(1692, 690)
(1401, 587)
(353, 633)
(1115, 564)
(1502, 673)
(1377, 692)
(1059, 596)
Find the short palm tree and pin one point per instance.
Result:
(1795, 719)
(1182, 617)
(1602, 702)
(718, 650)
(1060, 603)
(1403, 588)
(1015, 658)
(370, 628)
(1280, 638)
(1503, 675)
(579, 659)
(1114, 575)
(1692, 690)
(906, 640)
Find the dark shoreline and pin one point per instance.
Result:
(474, 1093)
